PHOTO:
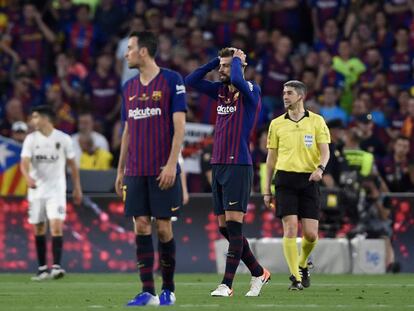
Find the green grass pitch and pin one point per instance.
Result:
(111, 292)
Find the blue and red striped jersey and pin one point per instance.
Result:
(237, 112)
(149, 110)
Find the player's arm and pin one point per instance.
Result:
(25, 168)
(169, 172)
(196, 79)
(74, 173)
(122, 160)
(270, 169)
(237, 79)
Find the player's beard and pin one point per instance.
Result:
(225, 79)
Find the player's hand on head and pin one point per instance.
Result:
(240, 54)
(167, 176)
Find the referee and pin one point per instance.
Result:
(298, 150)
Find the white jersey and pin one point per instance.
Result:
(48, 156)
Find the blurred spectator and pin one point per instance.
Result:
(324, 10)
(273, 71)
(337, 162)
(395, 168)
(93, 157)
(259, 155)
(86, 126)
(329, 106)
(108, 17)
(369, 139)
(19, 131)
(329, 39)
(82, 36)
(65, 116)
(408, 125)
(351, 67)
(137, 24)
(13, 113)
(103, 91)
(29, 36)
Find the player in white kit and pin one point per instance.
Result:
(44, 157)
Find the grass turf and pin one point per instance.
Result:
(111, 292)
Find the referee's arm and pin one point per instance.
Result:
(270, 169)
(324, 151)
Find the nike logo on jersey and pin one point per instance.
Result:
(132, 97)
(233, 203)
(173, 209)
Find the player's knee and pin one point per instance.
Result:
(142, 226)
(164, 231)
(291, 231)
(40, 229)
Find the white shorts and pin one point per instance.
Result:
(40, 210)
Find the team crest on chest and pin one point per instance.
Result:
(156, 95)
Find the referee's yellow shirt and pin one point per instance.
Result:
(297, 142)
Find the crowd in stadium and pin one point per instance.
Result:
(356, 58)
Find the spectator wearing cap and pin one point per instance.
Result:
(369, 140)
(19, 131)
(329, 106)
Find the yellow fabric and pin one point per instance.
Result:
(99, 160)
(307, 248)
(297, 142)
(290, 251)
(12, 182)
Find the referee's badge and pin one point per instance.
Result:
(308, 141)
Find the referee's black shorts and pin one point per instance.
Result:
(296, 195)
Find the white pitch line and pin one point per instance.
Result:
(313, 284)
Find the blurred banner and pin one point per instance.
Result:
(11, 180)
(98, 238)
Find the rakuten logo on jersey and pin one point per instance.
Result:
(143, 113)
(226, 109)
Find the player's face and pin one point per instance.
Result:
(290, 98)
(132, 54)
(224, 69)
(38, 120)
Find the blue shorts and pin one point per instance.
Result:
(143, 197)
(231, 187)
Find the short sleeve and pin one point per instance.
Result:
(322, 132)
(272, 139)
(178, 101)
(69, 150)
(27, 149)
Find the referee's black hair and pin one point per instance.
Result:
(45, 110)
(146, 39)
(299, 86)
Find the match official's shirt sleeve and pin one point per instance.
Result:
(272, 139)
(27, 149)
(322, 132)
(69, 149)
(177, 87)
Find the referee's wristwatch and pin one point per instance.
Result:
(322, 168)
